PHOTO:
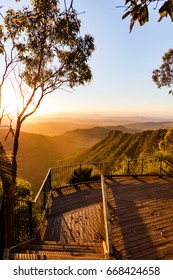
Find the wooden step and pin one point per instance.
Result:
(64, 247)
(49, 255)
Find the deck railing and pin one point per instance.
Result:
(60, 175)
(108, 239)
(26, 217)
(1, 227)
(29, 213)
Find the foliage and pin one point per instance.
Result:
(43, 50)
(22, 220)
(166, 146)
(164, 75)
(139, 10)
(82, 175)
(23, 189)
(120, 146)
(5, 168)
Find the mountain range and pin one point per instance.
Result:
(38, 152)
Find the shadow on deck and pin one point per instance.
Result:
(76, 217)
(141, 216)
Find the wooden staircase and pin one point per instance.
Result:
(51, 250)
(73, 227)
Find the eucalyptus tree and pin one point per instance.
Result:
(43, 51)
(163, 76)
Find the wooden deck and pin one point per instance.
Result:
(141, 216)
(76, 217)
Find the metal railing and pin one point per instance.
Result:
(61, 175)
(1, 227)
(108, 240)
(21, 220)
(28, 215)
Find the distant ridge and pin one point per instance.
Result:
(54, 128)
(37, 152)
(150, 125)
(119, 145)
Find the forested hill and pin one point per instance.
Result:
(119, 145)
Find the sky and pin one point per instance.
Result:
(122, 65)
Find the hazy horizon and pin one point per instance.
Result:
(121, 65)
(89, 116)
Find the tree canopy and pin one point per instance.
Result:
(139, 10)
(163, 77)
(42, 51)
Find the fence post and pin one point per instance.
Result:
(160, 159)
(50, 180)
(142, 167)
(30, 220)
(1, 228)
(128, 167)
(80, 171)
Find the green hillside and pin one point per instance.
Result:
(37, 153)
(119, 145)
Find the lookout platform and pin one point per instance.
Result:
(141, 216)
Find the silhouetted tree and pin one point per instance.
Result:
(43, 51)
(163, 77)
(139, 10)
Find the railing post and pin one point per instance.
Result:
(142, 167)
(80, 171)
(161, 167)
(50, 180)
(44, 196)
(30, 220)
(128, 167)
(1, 228)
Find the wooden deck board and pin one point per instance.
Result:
(141, 216)
(76, 216)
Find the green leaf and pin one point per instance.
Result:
(164, 7)
(163, 11)
(135, 11)
(126, 14)
(170, 10)
(143, 15)
(162, 15)
(132, 22)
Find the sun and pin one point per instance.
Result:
(10, 103)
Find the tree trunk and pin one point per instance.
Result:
(5, 170)
(8, 213)
(14, 155)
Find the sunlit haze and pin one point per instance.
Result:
(122, 65)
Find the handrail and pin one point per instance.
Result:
(105, 161)
(106, 219)
(43, 184)
(1, 228)
(60, 175)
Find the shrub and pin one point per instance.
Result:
(82, 175)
